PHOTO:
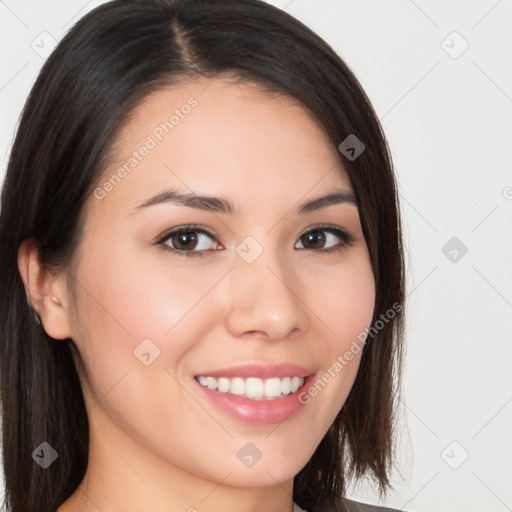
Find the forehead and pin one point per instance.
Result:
(218, 99)
(219, 137)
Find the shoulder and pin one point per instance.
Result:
(346, 505)
(356, 506)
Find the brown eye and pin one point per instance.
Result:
(313, 240)
(325, 239)
(186, 240)
(189, 241)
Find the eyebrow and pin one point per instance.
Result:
(220, 205)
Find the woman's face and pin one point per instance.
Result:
(247, 297)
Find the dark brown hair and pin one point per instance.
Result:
(102, 69)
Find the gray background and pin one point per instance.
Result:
(446, 111)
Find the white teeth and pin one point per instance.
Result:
(286, 385)
(223, 385)
(273, 387)
(211, 383)
(237, 386)
(296, 383)
(252, 387)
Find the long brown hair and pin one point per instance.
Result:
(105, 66)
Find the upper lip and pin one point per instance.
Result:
(262, 371)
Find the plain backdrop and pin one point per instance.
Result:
(439, 76)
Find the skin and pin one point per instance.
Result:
(156, 442)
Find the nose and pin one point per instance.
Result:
(265, 299)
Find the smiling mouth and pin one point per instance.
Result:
(253, 388)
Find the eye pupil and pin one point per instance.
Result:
(185, 240)
(315, 239)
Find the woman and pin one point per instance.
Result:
(201, 269)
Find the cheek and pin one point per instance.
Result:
(133, 311)
(125, 304)
(141, 296)
(344, 300)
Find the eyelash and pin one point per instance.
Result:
(346, 239)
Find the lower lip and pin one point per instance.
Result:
(258, 411)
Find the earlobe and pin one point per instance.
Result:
(46, 291)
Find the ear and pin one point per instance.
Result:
(46, 291)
